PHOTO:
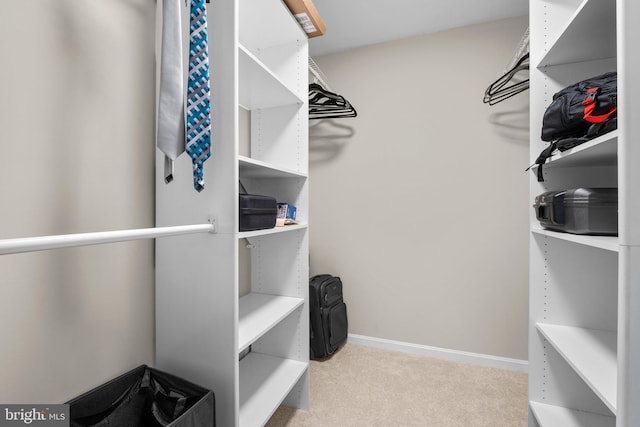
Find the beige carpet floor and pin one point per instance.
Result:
(363, 386)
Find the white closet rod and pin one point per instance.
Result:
(32, 244)
(523, 47)
(318, 74)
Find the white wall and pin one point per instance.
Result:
(420, 203)
(77, 90)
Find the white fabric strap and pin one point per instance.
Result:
(170, 137)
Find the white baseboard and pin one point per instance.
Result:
(441, 353)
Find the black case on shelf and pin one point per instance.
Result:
(592, 211)
(257, 212)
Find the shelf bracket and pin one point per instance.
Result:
(212, 220)
(250, 243)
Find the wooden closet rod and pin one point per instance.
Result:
(32, 244)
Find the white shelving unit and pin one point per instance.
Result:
(602, 150)
(251, 168)
(608, 243)
(251, 348)
(584, 336)
(265, 381)
(276, 230)
(259, 313)
(592, 355)
(549, 415)
(263, 89)
(592, 21)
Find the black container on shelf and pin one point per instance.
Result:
(592, 211)
(257, 212)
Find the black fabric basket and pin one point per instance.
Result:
(145, 397)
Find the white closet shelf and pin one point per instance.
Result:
(600, 151)
(258, 20)
(591, 353)
(251, 168)
(259, 313)
(259, 86)
(264, 383)
(275, 230)
(553, 416)
(609, 243)
(590, 34)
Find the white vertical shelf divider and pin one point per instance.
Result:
(628, 31)
(204, 327)
(584, 336)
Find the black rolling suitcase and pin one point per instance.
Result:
(328, 315)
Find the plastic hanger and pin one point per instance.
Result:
(324, 104)
(498, 91)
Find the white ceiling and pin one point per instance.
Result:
(353, 23)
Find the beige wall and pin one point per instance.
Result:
(420, 203)
(77, 85)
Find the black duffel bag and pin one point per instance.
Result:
(578, 113)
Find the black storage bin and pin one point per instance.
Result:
(257, 212)
(592, 211)
(145, 397)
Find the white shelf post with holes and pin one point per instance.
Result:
(204, 324)
(584, 335)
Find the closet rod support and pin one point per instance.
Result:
(32, 244)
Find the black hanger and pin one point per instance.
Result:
(324, 104)
(498, 91)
